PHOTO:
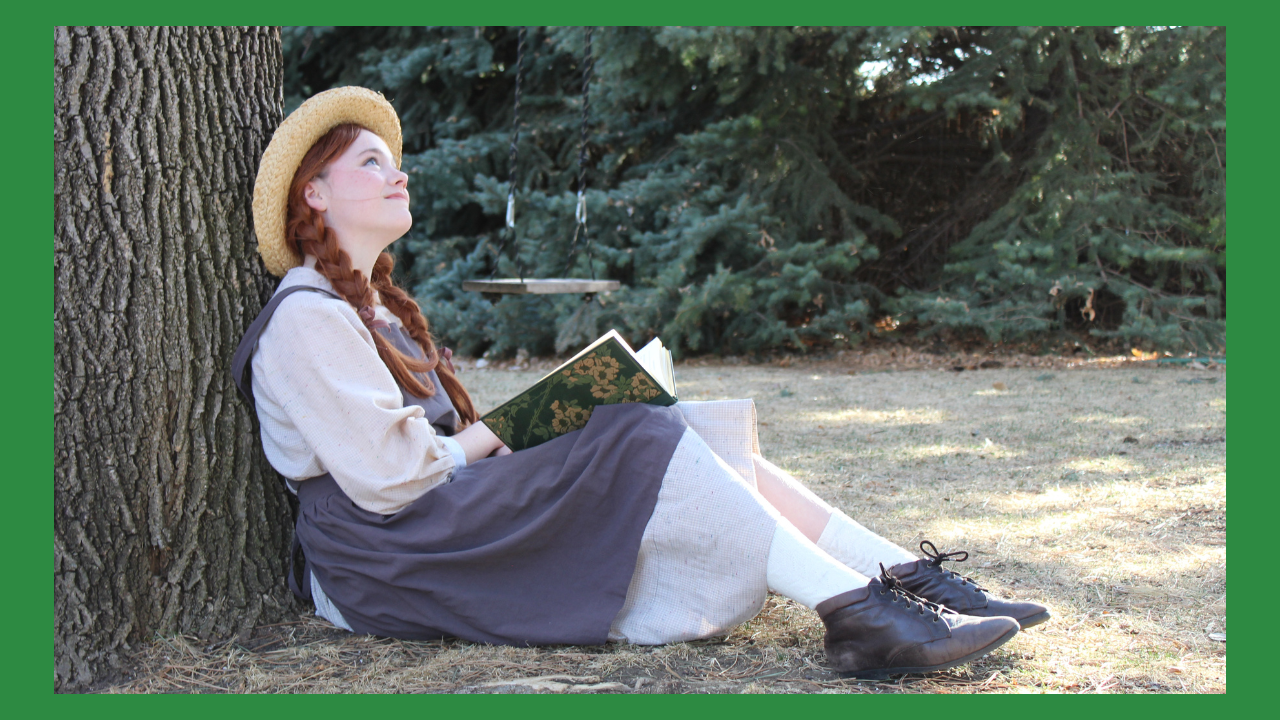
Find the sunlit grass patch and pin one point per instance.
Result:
(863, 416)
(1111, 419)
(983, 450)
(1109, 465)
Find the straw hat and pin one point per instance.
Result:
(318, 115)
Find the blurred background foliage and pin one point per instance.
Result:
(763, 190)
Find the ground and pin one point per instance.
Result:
(1097, 487)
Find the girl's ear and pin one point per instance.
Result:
(316, 196)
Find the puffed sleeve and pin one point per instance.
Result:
(328, 403)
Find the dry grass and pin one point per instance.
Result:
(1096, 487)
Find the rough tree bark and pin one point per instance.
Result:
(167, 517)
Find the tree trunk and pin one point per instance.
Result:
(167, 517)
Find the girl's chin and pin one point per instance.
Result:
(397, 229)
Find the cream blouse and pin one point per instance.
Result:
(327, 403)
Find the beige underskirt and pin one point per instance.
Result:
(702, 560)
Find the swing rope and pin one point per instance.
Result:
(510, 231)
(508, 234)
(580, 214)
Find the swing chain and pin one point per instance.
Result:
(510, 231)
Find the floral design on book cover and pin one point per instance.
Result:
(562, 402)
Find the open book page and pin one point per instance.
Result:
(656, 359)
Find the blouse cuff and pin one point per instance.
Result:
(455, 449)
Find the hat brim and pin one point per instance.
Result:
(289, 144)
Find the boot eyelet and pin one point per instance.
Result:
(881, 592)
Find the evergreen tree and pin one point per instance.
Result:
(758, 189)
(1120, 202)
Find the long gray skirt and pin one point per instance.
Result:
(533, 548)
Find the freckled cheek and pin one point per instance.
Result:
(360, 186)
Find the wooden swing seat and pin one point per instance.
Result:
(540, 286)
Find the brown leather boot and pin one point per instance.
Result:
(883, 630)
(928, 579)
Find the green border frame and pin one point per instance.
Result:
(1248, 40)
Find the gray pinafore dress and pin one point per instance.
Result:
(533, 548)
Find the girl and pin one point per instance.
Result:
(649, 525)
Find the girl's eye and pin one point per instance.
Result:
(371, 160)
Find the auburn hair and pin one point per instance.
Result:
(305, 228)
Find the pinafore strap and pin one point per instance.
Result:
(241, 367)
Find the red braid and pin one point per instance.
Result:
(404, 307)
(305, 226)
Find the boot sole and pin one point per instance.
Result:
(1034, 620)
(882, 673)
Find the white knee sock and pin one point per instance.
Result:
(858, 547)
(802, 572)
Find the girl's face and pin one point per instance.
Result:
(363, 196)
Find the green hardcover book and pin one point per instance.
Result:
(606, 372)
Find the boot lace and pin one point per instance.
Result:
(936, 559)
(913, 602)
